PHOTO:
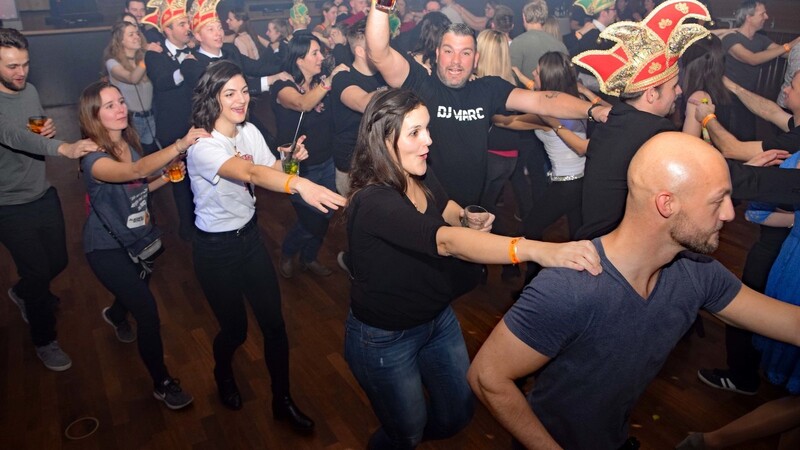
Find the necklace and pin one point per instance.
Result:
(238, 154)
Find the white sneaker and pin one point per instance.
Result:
(19, 302)
(53, 357)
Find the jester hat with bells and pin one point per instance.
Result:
(203, 12)
(647, 52)
(593, 7)
(166, 12)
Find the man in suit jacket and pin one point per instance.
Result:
(172, 95)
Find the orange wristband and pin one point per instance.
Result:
(286, 184)
(596, 100)
(512, 250)
(707, 119)
(787, 48)
(529, 85)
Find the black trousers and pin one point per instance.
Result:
(120, 276)
(743, 360)
(34, 235)
(232, 266)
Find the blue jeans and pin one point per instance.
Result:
(396, 368)
(146, 127)
(307, 233)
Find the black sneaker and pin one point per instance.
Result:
(170, 392)
(721, 379)
(123, 329)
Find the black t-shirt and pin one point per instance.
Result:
(317, 125)
(345, 120)
(399, 279)
(789, 141)
(460, 121)
(605, 180)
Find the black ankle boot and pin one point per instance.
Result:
(229, 393)
(283, 408)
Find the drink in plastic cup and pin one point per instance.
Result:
(36, 123)
(175, 172)
(474, 217)
(291, 165)
(385, 5)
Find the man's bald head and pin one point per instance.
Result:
(681, 183)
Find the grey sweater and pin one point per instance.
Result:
(22, 166)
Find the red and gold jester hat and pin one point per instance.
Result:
(592, 7)
(203, 12)
(166, 12)
(647, 52)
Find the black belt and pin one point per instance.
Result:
(143, 113)
(232, 233)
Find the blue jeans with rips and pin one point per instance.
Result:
(396, 368)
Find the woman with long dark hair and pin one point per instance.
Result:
(306, 93)
(409, 252)
(124, 61)
(229, 256)
(702, 67)
(118, 181)
(565, 143)
(432, 27)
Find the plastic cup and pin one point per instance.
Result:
(290, 164)
(474, 217)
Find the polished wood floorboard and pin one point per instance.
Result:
(109, 382)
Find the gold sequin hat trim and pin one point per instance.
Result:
(647, 52)
(166, 11)
(203, 12)
(592, 7)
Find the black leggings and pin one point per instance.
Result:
(232, 266)
(120, 276)
(560, 197)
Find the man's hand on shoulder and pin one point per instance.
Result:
(77, 149)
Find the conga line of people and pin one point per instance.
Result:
(414, 244)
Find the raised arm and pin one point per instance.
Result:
(112, 171)
(555, 104)
(389, 62)
(473, 21)
(356, 98)
(502, 359)
(755, 58)
(760, 106)
(290, 98)
(760, 314)
(728, 145)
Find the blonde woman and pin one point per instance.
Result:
(124, 61)
(503, 144)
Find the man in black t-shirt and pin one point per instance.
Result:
(461, 110)
(351, 91)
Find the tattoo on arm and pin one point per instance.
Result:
(552, 94)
